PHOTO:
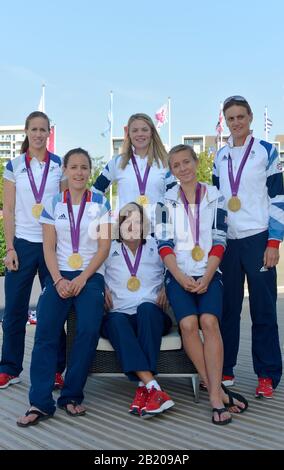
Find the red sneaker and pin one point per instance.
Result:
(6, 380)
(264, 388)
(58, 381)
(139, 401)
(157, 402)
(228, 380)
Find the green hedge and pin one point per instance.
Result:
(2, 247)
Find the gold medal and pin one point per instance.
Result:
(197, 253)
(75, 261)
(133, 283)
(142, 200)
(37, 210)
(234, 204)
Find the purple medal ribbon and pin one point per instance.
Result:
(37, 194)
(132, 269)
(235, 183)
(194, 219)
(141, 183)
(75, 228)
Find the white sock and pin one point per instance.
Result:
(141, 384)
(153, 383)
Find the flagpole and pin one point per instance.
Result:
(110, 139)
(169, 123)
(265, 124)
(221, 135)
(54, 132)
(43, 97)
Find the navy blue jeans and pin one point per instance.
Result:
(89, 307)
(18, 287)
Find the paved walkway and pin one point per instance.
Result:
(108, 425)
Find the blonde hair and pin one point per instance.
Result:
(156, 150)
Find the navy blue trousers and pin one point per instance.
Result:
(244, 257)
(137, 338)
(18, 287)
(89, 307)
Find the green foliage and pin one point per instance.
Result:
(2, 247)
(98, 166)
(1, 184)
(205, 166)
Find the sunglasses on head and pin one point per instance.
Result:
(241, 99)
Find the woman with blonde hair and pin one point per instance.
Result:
(141, 171)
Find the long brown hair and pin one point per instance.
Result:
(34, 114)
(124, 213)
(156, 150)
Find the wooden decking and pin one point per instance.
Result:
(187, 426)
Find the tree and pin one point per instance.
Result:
(98, 166)
(1, 184)
(204, 172)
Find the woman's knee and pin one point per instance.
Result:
(209, 323)
(189, 325)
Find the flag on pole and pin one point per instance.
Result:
(220, 126)
(51, 140)
(267, 123)
(161, 116)
(109, 118)
(107, 129)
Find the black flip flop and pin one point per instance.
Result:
(220, 411)
(40, 416)
(74, 403)
(238, 397)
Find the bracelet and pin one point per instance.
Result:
(10, 249)
(57, 281)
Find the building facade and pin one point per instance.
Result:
(11, 139)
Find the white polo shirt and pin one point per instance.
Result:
(56, 213)
(150, 273)
(26, 225)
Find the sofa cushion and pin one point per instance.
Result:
(169, 342)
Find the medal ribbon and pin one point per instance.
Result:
(235, 183)
(132, 269)
(194, 219)
(37, 194)
(75, 228)
(141, 183)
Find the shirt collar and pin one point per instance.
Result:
(231, 142)
(29, 157)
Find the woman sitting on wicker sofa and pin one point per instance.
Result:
(135, 299)
(191, 243)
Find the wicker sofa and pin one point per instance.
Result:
(173, 362)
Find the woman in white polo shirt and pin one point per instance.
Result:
(28, 181)
(141, 171)
(76, 243)
(135, 299)
(191, 244)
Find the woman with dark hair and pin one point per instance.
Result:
(28, 181)
(76, 243)
(135, 299)
(248, 173)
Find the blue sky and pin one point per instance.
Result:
(196, 52)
